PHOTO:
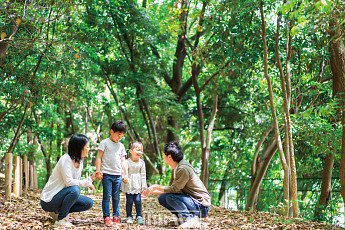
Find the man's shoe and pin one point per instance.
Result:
(54, 215)
(140, 220)
(63, 223)
(107, 221)
(116, 220)
(191, 223)
(129, 220)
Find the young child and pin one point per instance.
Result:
(110, 161)
(136, 182)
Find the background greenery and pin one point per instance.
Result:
(80, 65)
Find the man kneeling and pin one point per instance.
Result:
(186, 195)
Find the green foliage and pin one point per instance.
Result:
(70, 60)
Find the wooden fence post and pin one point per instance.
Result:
(16, 176)
(8, 175)
(31, 175)
(26, 172)
(35, 176)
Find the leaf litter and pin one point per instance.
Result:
(26, 213)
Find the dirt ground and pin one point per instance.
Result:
(25, 213)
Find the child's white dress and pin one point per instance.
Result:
(136, 177)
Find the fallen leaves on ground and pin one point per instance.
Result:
(26, 213)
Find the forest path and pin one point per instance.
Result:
(25, 213)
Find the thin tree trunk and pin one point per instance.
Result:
(16, 136)
(152, 126)
(151, 129)
(206, 152)
(275, 120)
(46, 159)
(224, 184)
(265, 159)
(257, 150)
(123, 113)
(289, 151)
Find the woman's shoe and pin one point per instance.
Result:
(129, 220)
(140, 220)
(63, 223)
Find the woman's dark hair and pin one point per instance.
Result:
(76, 145)
(174, 149)
(131, 146)
(119, 126)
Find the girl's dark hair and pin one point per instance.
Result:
(119, 126)
(174, 149)
(131, 146)
(76, 145)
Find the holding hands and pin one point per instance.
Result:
(125, 179)
(98, 175)
(153, 189)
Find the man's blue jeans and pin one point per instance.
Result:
(66, 201)
(136, 198)
(182, 205)
(111, 188)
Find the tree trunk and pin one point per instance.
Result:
(289, 148)
(337, 62)
(325, 187)
(175, 82)
(5, 45)
(46, 159)
(257, 150)
(275, 120)
(16, 136)
(328, 165)
(225, 183)
(206, 151)
(151, 127)
(263, 163)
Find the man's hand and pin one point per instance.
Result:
(147, 192)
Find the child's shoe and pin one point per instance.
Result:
(129, 220)
(140, 220)
(107, 221)
(116, 220)
(64, 223)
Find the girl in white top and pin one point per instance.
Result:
(61, 194)
(136, 182)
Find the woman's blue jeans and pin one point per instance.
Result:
(111, 189)
(66, 201)
(182, 205)
(136, 198)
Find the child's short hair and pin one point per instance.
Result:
(119, 126)
(174, 149)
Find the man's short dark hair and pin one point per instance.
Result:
(119, 126)
(173, 149)
(76, 145)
